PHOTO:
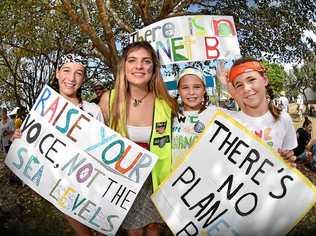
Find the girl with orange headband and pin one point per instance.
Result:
(248, 84)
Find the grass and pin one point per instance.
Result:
(307, 226)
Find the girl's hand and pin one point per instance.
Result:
(17, 134)
(288, 155)
(222, 73)
(222, 76)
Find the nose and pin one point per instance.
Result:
(191, 90)
(139, 64)
(247, 86)
(72, 76)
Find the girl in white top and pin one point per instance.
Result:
(248, 83)
(275, 128)
(195, 112)
(70, 75)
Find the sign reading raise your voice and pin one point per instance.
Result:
(85, 169)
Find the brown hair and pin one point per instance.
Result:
(156, 85)
(274, 110)
(306, 122)
(73, 57)
(205, 103)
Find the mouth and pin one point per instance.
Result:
(251, 96)
(192, 99)
(138, 74)
(69, 84)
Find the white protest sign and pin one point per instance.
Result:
(85, 169)
(232, 183)
(191, 38)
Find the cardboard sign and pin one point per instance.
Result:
(232, 183)
(191, 38)
(85, 169)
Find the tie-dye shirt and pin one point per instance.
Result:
(185, 129)
(277, 134)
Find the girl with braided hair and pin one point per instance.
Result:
(248, 84)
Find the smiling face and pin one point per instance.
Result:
(139, 67)
(70, 77)
(98, 90)
(251, 90)
(191, 91)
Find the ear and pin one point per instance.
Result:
(57, 74)
(266, 80)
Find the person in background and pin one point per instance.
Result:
(284, 102)
(98, 89)
(306, 149)
(20, 116)
(299, 108)
(141, 109)
(230, 104)
(6, 131)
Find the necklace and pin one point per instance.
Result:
(136, 101)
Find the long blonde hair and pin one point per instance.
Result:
(118, 113)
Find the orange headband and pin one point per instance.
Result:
(245, 67)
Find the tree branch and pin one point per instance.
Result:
(166, 8)
(181, 4)
(86, 28)
(120, 23)
(108, 33)
(140, 6)
(85, 11)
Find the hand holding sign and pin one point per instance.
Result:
(85, 169)
(232, 183)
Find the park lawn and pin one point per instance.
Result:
(307, 225)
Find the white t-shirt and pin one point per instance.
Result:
(93, 110)
(6, 128)
(278, 134)
(284, 103)
(186, 128)
(299, 100)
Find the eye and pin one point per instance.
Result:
(131, 60)
(197, 86)
(79, 73)
(148, 61)
(252, 79)
(238, 85)
(65, 69)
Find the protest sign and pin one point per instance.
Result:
(232, 183)
(191, 38)
(85, 169)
